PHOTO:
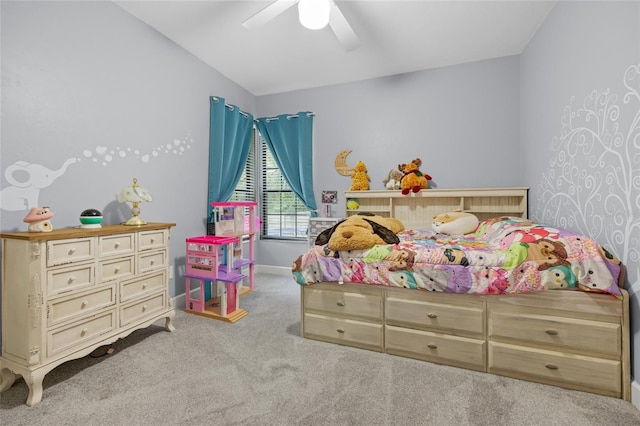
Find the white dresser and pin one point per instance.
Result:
(69, 291)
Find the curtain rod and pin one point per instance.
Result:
(289, 117)
(231, 107)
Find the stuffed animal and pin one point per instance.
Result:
(361, 231)
(412, 178)
(392, 181)
(455, 223)
(359, 178)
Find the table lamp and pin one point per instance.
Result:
(134, 194)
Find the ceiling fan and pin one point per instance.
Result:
(338, 23)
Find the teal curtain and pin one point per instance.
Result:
(290, 140)
(229, 143)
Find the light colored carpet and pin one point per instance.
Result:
(259, 371)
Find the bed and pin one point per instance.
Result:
(513, 298)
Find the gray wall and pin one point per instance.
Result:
(455, 119)
(89, 83)
(579, 88)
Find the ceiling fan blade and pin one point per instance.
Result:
(268, 13)
(347, 37)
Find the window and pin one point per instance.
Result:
(284, 216)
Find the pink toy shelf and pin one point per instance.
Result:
(215, 265)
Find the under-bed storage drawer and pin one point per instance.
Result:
(344, 331)
(591, 374)
(436, 347)
(466, 317)
(358, 304)
(556, 332)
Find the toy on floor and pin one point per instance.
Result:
(455, 223)
(359, 179)
(412, 178)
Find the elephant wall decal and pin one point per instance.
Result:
(24, 192)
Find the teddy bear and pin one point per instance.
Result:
(359, 178)
(412, 178)
(392, 181)
(456, 222)
(361, 231)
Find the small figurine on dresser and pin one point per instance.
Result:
(38, 219)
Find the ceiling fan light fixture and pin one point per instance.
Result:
(314, 14)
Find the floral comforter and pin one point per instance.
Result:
(505, 255)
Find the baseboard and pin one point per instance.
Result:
(179, 301)
(635, 394)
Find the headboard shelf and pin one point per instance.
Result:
(416, 210)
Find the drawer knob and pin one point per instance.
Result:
(144, 308)
(144, 286)
(551, 366)
(432, 346)
(71, 280)
(152, 262)
(152, 240)
(432, 316)
(115, 271)
(340, 303)
(84, 331)
(116, 245)
(551, 332)
(84, 304)
(72, 250)
(340, 330)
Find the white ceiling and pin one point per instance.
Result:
(396, 37)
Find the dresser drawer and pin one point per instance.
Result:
(436, 347)
(60, 252)
(435, 316)
(567, 369)
(62, 280)
(353, 304)
(74, 336)
(62, 309)
(143, 309)
(151, 261)
(344, 331)
(116, 245)
(116, 269)
(139, 287)
(557, 332)
(149, 240)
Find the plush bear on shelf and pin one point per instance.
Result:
(412, 178)
(359, 179)
(392, 181)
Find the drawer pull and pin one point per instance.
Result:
(551, 366)
(84, 304)
(340, 330)
(144, 286)
(115, 271)
(152, 240)
(340, 303)
(71, 251)
(152, 262)
(144, 308)
(84, 331)
(116, 245)
(432, 346)
(432, 316)
(71, 280)
(552, 332)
